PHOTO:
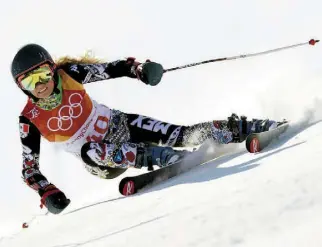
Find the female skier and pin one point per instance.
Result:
(107, 140)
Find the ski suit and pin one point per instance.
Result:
(79, 121)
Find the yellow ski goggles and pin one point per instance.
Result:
(42, 74)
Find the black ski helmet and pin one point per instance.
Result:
(29, 57)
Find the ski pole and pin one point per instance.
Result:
(310, 42)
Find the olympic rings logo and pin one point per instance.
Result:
(66, 114)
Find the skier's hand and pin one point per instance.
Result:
(149, 72)
(53, 199)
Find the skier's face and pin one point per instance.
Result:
(39, 81)
(43, 90)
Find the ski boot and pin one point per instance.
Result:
(236, 129)
(160, 156)
(241, 128)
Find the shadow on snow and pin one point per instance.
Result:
(211, 170)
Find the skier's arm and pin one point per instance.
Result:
(51, 197)
(148, 72)
(30, 140)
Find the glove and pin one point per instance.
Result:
(53, 199)
(149, 72)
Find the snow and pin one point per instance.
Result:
(269, 199)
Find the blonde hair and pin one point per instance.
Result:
(88, 58)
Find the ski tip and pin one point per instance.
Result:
(127, 188)
(254, 145)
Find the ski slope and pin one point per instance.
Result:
(269, 199)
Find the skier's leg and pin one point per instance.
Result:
(149, 130)
(126, 143)
(234, 129)
(93, 164)
(99, 156)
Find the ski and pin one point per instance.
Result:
(256, 142)
(133, 184)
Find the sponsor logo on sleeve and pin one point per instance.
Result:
(74, 68)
